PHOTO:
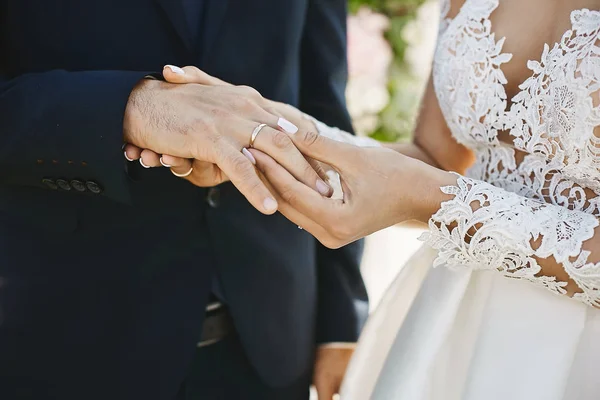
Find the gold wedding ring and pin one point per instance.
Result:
(255, 133)
(182, 175)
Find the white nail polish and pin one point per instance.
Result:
(176, 70)
(270, 204)
(143, 165)
(163, 163)
(126, 157)
(287, 126)
(249, 156)
(322, 187)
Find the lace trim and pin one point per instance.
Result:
(486, 228)
(553, 117)
(444, 11)
(467, 76)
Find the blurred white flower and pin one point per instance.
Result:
(369, 59)
(421, 36)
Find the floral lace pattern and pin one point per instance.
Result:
(543, 186)
(482, 228)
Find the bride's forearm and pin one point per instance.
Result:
(412, 150)
(424, 196)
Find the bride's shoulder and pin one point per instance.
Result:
(451, 8)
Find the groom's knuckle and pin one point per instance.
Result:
(282, 141)
(288, 194)
(250, 92)
(256, 188)
(318, 168)
(308, 170)
(310, 137)
(239, 166)
(244, 104)
(198, 125)
(238, 102)
(219, 114)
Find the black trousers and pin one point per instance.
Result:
(223, 372)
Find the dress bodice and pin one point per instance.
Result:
(532, 194)
(552, 154)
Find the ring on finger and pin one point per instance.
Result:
(182, 175)
(255, 133)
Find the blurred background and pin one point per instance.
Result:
(390, 48)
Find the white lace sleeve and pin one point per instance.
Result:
(341, 136)
(486, 227)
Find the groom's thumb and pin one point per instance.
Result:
(174, 74)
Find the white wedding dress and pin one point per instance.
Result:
(469, 317)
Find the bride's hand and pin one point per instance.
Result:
(381, 188)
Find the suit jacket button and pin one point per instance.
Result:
(213, 198)
(93, 187)
(78, 185)
(64, 185)
(50, 184)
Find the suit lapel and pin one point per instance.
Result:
(175, 13)
(213, 20)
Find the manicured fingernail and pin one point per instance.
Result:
(163, 163)
(127, 157)
(143, 165)
(287, 126)
(249, 156)
(323, 188)
(270, 204)
(175, 70)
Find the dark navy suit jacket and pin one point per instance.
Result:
(106, 267)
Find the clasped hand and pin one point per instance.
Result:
(206, 127)
(381, 187)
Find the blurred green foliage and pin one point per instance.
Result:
(398, 118)
(387, 7)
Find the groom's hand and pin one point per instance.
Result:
(330, 367)
(206, 174)
(213, 124)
